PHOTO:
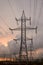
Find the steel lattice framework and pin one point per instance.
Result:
(23, 28)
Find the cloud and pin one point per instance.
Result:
(38, 41)
(39, 53)
(1, 34)
(36, 54)
(13, 47)
(3, 50)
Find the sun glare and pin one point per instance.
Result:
(6, 45)
(4, 40)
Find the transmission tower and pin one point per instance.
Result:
(31, 50)
(23, 28)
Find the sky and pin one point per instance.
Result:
(9, 9)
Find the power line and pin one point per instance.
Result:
(4, 21)
(34, 11)
(30, 8)
(3, 29)
(5, 24)
(40, 12)
(11, 7)
(39, 15)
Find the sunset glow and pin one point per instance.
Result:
(4, 40)
(21, 29)
(7, 59)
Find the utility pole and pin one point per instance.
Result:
(23, 28)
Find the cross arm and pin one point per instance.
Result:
(28, 39)
(15, 29)
(32, 28)
(27, 28)
(18, 39)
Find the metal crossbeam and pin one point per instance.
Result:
(20, 39)
(18, 29)
(27, 28)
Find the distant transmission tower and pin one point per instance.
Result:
(23, 28)
(31, 50)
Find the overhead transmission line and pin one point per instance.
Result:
(38, 18)
(11, 7)
(39, 15)
(3, 29)
(12, 12)
(34, 11)
(30, 9)
(5, 24)
(4, 21)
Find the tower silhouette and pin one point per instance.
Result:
(23, 29)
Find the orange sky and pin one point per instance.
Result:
(4, 40)
(7, 59)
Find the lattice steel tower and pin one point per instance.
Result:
(23, 28)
